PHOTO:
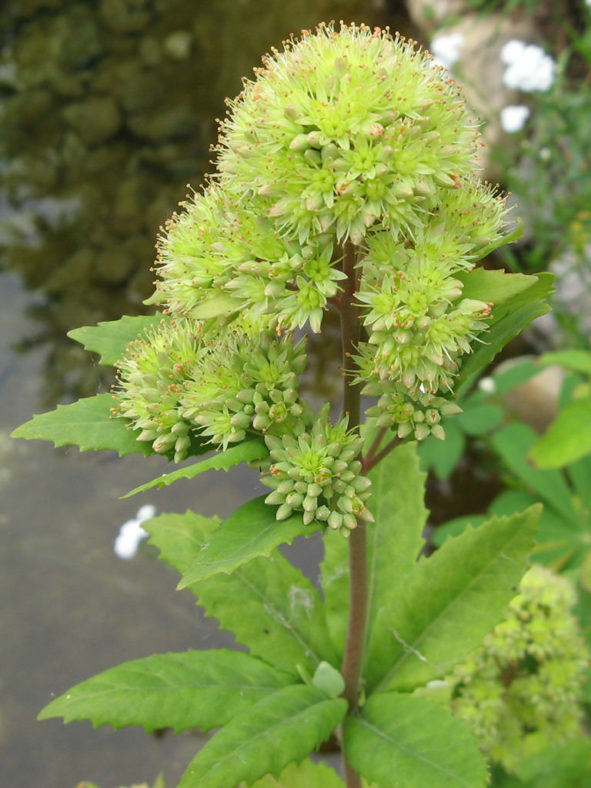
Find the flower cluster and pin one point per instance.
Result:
(318, 472)
(521, 691)
(346, 129)
(348, 144)
(173, 384)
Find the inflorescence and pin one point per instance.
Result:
(348, 139)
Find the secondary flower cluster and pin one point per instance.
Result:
(521, 691)
(173, 384)
(318, 472)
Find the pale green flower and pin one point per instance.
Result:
(151, 376)
(345, 129)
(522, 691)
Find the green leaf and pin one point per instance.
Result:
(306, 774)
(496, 286)
(109, 339)
(403, 741)
(575, 360)
(443, 456)
(580, 474)
(247, 451)
(452, 600)
(480, 419)
(508, 319)
(250, 532)
(513, 444)
(281, 728)
(567, 439)
(455, 527)
(196, 689)
(280, 616)
(87, 424)
(394, 540)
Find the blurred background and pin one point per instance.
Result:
(107, 112)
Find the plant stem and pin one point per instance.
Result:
(356, 632)
(372, 460)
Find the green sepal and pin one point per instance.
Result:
(215, 307)
(280, 617)
(110, 338)
(450, 602)
(195, 689)
(250, 532)
(247, 451)
(306, 774)
(328, 680)
(87, 424)
(509, 317)
(404, 741)
(283, 727)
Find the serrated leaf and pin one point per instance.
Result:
(87, 424)
(110, 338)
(394, 541)
(403, 741)
(306, 774)
(281, 728)
(513, 444)
(453, 599)
(196, 689)
(280, 616)
(247, 451)
(567, 439)
(508, 319)
(494, 286)
(250, 532)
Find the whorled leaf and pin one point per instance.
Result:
(247, 451)
(110, 338)
(306, 774)
(250, 532)
(403, 741)
(450, 602)
(194, 689)
(87, 424)
(284, 727)
(280, 616)
(567, 439)
(394, 541)
(508, 318)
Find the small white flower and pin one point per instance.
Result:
(529, 68)
(513, 117)
(446, 49)
(512, 51)
(546, 153)
(487, 385)
(131, 533)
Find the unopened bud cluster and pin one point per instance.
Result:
(318, 473)
(522, 691)
(173, 385)
(418, 416)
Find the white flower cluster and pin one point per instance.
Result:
(513, 117)
(529, 68)
(446, 49)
